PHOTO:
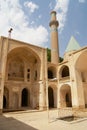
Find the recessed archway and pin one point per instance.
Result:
(50, 97)
(24, 97)
(65, 96)
(64, 71)
(51, 72)
(20, 60)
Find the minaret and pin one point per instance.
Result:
(54, 38)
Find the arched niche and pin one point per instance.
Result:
(52, 72)
(25, 96)
(65, 96)
(64, 71)
(22, 63)
(51, 97)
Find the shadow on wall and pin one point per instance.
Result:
(13, 124)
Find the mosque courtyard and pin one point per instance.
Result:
(39, 120)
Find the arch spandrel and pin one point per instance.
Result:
(53, 85)
(65, 85)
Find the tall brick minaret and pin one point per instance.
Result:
(54, 38)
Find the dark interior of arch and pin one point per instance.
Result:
(25, 97)
(51, 97)
(50, 74)
(65, 71)
(68, 100)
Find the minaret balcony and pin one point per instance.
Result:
(54, 23)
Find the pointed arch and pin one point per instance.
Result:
(51, 97)
(25, 97)
(16, 64)
(64, 72)
(52, 72)
(65, 96)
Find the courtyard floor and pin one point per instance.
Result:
(34, 120)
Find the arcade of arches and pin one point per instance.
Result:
(31, 82)
(14, 102)
(19, 69)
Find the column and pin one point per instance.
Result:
(3, 60)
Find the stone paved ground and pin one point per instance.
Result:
(38, 121)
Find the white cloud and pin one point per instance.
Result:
(39, 16)
(12, 15)
(82, 1)
(50, 5)
(62, 8)
(33, 22)
(32, 6)
(37, 35)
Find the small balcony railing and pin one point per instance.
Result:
(67, 78)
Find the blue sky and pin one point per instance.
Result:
(30, 21)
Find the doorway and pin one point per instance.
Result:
(51, 97)
(24, 97)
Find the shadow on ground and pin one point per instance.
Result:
(9, 123)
